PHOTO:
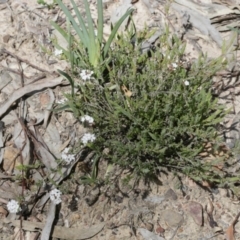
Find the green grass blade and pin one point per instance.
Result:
(82, 37)
(62, 108)
(92, 50)
(100, 21)
(64, 34)
(70, 46)
(114, 31)
(80, 20)
(60, 30)
(71, 81)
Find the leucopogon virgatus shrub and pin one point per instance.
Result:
(151, 109)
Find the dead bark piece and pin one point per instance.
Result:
(62, 232)
(36, 86)
(44, 155)
(198, 19)
(46, 232)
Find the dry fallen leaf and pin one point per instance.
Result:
(126, 91)
(3, 212)
(230, 230)
(10, 159)
(230, 233)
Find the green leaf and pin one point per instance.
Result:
(68, 77)
(114, 32)
(213, 116)
(92, 49)
(84, 38)
(62, 108)
(82, 25)
(152, 136)
(100, 21)
(60, 30)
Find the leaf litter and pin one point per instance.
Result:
(29, 86)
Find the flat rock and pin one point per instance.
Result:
(170, 194)
(195, 210)
(172, 219)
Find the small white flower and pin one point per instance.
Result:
(13, 206)
(174, 65)
(86, 74)
(58, 52)
(87, 118)
(67, 158)
(88, 137)
(55, 196)
(186, 83)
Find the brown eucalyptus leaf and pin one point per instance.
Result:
(230, 230)
(36, 86)
(230, 233)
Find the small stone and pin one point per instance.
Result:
(214, 190)
(173, 219)
(92, 196)
(6, 38)
(171, 195)
(118, 199)
(217, 229)
(147, 235)
(160, 230)
(149, 226)
(195, 209)
(155, 199)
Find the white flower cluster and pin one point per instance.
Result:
(174, 66)
(88, 137)
(87, 118)
(86, 74)
(13, 206)
(58, 52)
(55, 196)
(67, 158)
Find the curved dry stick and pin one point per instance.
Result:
(36, 86)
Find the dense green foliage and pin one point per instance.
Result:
(151, 109)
